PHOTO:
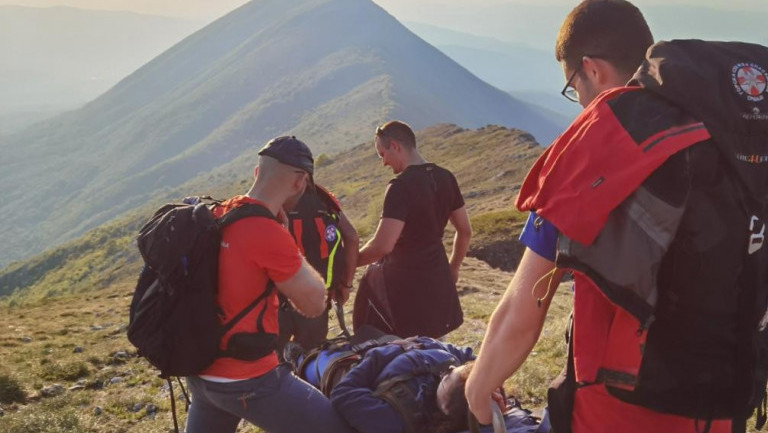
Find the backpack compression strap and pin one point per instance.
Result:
(403, 399)
(236, 214)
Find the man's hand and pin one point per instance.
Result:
(340, 294)
(481, 407)
(498, 398)
(513, 330)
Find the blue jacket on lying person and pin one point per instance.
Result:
(405, 386)
(389, 385)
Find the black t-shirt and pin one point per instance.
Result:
(417, 276)
(423, 196)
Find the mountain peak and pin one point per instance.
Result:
(326, 70)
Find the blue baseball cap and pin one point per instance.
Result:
(289, 150)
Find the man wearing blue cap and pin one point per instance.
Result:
(255, 253)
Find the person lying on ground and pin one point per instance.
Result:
(411, 385)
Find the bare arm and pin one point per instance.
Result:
(513, 330)
(383, 242)
(460, 221)
(305, 289)
(351, 244)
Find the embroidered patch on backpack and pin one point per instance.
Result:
(330, 233)
(750, 81)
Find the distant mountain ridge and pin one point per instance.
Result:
(528, 74)
(58, 58)
(535, 23)
(327, 70)
(489, 164)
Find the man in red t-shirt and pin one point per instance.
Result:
(600, 46)
(253, 252)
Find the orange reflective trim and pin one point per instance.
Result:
(297, 232)
(321, 231)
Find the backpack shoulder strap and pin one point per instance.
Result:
(328, 198)
(236, 214)
(229, 325)
(404, 399)
(245, 211)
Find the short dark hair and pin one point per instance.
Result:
(612, 30)
(398, 131)
(457, 418)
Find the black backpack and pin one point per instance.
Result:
(174, 315)
(314, 224)
(724, 86)
(706, 352)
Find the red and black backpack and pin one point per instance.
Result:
(706, 352)
(314, 224)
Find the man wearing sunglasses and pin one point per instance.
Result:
(643, 201)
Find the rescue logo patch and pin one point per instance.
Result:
(330, 233)
(750, 81)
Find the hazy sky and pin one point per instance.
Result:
(195, 9)
(402, 9)
(408, 6)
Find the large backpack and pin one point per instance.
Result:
(705, 354)
(314, 224)
(174, 315)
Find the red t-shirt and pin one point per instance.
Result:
(253, 250)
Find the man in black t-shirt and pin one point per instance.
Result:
(410, 286)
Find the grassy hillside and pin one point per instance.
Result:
(68, 366)
(78, 342)
(66, 322)
(489, 164)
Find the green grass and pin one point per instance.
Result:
(69, 371)
(10, 390)
(498, 224)
(89, 282)
(43, 361)
(56, 415)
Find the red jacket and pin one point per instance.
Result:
(588, 184)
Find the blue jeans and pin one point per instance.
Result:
(277, 402)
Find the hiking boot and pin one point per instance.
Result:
(292, 352)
